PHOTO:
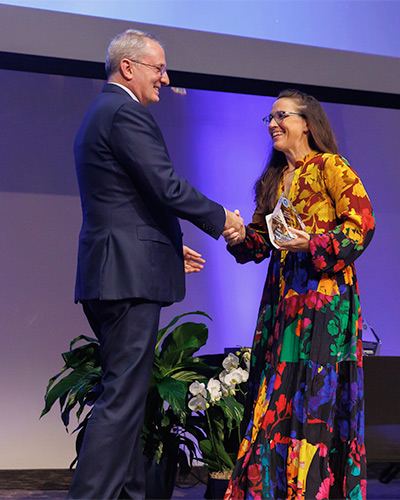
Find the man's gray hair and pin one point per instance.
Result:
(131, 44)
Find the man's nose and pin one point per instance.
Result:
(165, 79)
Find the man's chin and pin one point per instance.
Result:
(154, 99)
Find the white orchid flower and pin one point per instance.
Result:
(215, 396)
(198, 403)
(236, 377)
(214, 388)
(230, 362)
(213, 385)
(198, 388)
(222, 376)
(244, 374)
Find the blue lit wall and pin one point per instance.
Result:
(220, 144)
(361, 26)
(216, 140)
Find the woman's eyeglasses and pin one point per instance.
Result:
(279, 116)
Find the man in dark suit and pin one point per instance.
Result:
(130, 258)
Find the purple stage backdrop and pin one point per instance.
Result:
(218, 142)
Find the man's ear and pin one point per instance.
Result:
(126, 69)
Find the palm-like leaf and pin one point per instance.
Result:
(215, 456)
(63, 387)
(182, 343)
(163, 331)
(174, 392)
(233, 411)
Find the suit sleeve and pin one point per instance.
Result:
(139, 147)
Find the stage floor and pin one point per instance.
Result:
(53, 485)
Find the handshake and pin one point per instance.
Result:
(234, 231)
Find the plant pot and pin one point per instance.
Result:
(160, 477)
(216, 488)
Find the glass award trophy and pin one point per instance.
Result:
(281, 220)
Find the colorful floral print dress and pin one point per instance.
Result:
(305, 438)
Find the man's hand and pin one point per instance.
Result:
(300, 244)
(193, 261)
(235, 230)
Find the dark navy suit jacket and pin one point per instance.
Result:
(130, 244)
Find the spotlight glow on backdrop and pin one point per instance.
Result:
(360, 26)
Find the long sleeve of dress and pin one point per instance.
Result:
(341, 246)
(256, 247)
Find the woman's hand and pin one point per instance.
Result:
(193, 261)
(300, 244)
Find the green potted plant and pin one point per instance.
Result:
(216, 408)
(78, 385)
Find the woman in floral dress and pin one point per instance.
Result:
(305, 437)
